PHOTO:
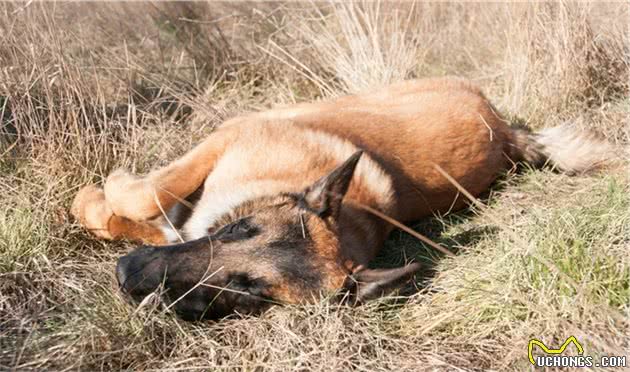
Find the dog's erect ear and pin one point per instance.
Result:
(369, 284)
(324, 197)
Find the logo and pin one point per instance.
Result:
(554, 357)
(547, 350)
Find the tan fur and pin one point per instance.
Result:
(405, 130)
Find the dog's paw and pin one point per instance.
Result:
(118, 180)
(92, 211)
(127, 195)
(119, 185)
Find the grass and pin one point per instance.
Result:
(89, 87)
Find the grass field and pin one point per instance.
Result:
(86, 88)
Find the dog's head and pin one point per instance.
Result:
(281, 249)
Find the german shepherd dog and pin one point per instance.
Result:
(270, 208)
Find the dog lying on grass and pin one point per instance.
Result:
(279, 206)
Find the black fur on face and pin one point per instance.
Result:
(245, 266)
(241, 294)
(195, 283)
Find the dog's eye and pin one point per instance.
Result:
(237, 230)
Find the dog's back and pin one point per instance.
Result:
(410, 127)
(406, 128)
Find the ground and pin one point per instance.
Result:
(86, 88)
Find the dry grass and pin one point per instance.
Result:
(85, 88)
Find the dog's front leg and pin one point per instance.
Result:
(130, 198)
(144, 198)
(94, 213)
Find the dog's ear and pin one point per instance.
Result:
(324, 197)
(369, 284)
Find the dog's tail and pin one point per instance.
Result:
(564, 148)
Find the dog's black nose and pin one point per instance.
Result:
(121, 270)
(132, 264)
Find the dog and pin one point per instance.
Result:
(275, 207)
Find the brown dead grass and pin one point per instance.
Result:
(89, 87)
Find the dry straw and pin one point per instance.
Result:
(86, 88)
